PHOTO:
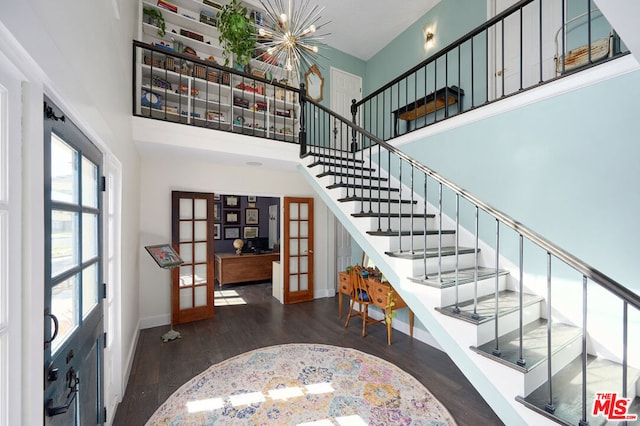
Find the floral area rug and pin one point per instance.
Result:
(302, 384)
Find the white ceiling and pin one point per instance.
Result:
(362, 27)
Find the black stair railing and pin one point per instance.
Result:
(399, 192)
(518, 49)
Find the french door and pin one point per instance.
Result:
(193, 237)
(73, 323)
(298, 250)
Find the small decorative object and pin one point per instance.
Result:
(217, 212)
(237, 35)
(216, 231)
(188, 50)
(169, 6)
(150, 99)
(252, 198)
(251, 216)
(231, 232)
(314, 83)
(212, 4)
(232, 216)
(155, 18)
(191, 34)
(250, 232)
(231, 201)
(238, 244)
(161, 83)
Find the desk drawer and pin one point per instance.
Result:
(344, 283)
(379, 292)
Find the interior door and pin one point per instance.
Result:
(343, 248)
(344, 88)
(73, 354)
(298, 250)
(193, 237)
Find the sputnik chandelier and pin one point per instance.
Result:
(290, 36)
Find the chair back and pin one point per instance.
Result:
(359, 285)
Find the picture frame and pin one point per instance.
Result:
(250, 232)
(252, 199)
(216, 197)
(231, 201)
(251, 205)
(231, 232)
(217, 235)
(251, 216)
(231, 216)
(314, 83)
(217, 212)
(164, 255)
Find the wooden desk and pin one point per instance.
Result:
(240, 268)
(434, 101)
(379, 294)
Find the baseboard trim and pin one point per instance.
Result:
(418, 333)
(155, 321)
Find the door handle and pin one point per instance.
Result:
(73, 386)
(55, 328)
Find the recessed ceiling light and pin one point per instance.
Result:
(254, 163)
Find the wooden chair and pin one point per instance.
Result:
(360, 295)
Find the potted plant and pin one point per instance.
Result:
(155, 18)
(237, 34)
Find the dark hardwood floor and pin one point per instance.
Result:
(161, 368)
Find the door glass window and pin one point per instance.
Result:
(64, 181)
(89, 183)
(89, 289)
(64, 302)
(64, 238)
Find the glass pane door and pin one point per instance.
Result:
(298, 249)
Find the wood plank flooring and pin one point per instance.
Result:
(161, 368)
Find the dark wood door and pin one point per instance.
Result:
(298, 250)
(193, 238)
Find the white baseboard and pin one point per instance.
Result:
(418, 333)
(155, 321)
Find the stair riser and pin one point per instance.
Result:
(404, 243)
(374, 195)
(393, 222)
(448, 263)
(465, 291)
(358, 207)
(535, 377)
(507, 323)
(358, 171)
(330, 180)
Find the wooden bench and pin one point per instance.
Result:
(434, 101)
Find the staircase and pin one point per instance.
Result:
(471, 298)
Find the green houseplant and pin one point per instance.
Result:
(155, 18)
(237, 35)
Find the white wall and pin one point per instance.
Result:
(164, 169)
(78, 53)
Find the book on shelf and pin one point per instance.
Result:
(169, 6)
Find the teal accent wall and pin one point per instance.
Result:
(450, 19)
(566, 167)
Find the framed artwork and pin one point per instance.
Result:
(251, 216)
(216, 231)
(217, 212)
(251, 205)
(216, 197)
(164, 255)
(231, 216)
(231, 201)
(252, 198)
(231, 232)
(250, 232)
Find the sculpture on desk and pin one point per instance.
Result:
(238, 244)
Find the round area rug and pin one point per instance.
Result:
(304, 384)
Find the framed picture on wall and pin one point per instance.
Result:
(252, 198)
(231, 201)
(251, 216)
(231, 216)
(231, 232)
(216, 231)
(217, 212)
(250, 232)
(216, 197)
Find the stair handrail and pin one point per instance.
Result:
(577, 264)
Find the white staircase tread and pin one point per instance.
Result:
(508, 302)
(534, 336)
(448, 278)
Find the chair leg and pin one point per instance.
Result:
(365, 315)
(346, 324)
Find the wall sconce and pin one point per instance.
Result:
(428, 38)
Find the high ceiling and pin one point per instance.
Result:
(362, 27)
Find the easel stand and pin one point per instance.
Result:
(171, 334)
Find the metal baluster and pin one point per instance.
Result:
(486, 46)
(564, 51)
(456, 309)
(496, 351)
(540, 39)
(521, 50)
(424, 254)
(521, 361)
(399, 206)
(440, 233)
(446, 84)
(473, 103)
(502, 55)
(460, 83)
(475, 315)
(389, 191)
(379, 187)
(625, 347)
(583, 420)
(549, 407)
(412, 251)
(589, 31)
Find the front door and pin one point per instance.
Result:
(298, 250)
(73, 317)
(344, 88)
(193, 238)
